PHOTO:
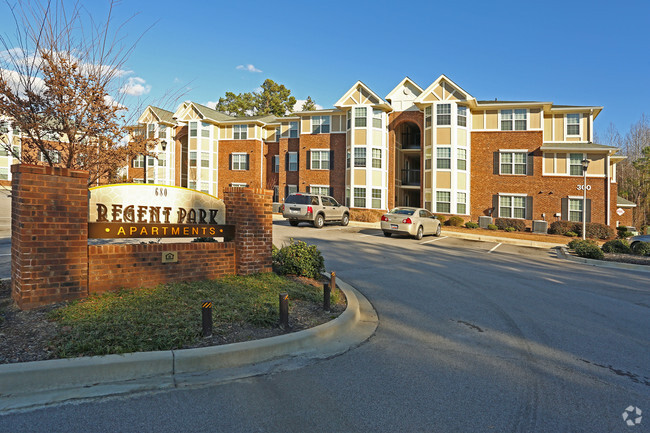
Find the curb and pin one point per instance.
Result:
(562, 253)
(33, 384)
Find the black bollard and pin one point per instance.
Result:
(284, 310)
(206, 312)
(326, 296)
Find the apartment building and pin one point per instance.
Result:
(438, 147)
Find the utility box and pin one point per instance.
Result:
(484, 221)
(540, 226)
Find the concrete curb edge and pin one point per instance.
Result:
(563, 254)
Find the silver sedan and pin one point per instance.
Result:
(412, 221)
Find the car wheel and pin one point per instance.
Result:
(419, 233)
(387, 234)
(293, 222)
(438, 230)
(319, 221)
(345, 220)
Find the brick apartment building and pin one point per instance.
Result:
(438, 148)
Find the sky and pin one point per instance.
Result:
(594, 53)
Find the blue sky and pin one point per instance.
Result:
(576, 53)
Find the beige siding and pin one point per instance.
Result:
(478, 120)
(573, 139)
(461, 181)
(376, 178)
(430, 98)
(549, 163)
(548, 128)
(584, 130)
(492, 119)
(461, 137)
(596, 164)
(438, 92)
(350, 101)
(558, 123)
(443, 136)
(360, 137)
(443, 179)
(427, 137)
(336, 123)
(228, 129)
(305, 125)
(561, 163)
(376, 138)
(205, 144)
(359, 177)
(535, 118)
(427, 179)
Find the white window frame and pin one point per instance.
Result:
(360, 117)
(206, 128)
(205, 159)
(320, 124)
(579, 164)
(375, 196)
(276, 163)
(291, 189)
(319, 189)
(428, 117)
(443, 153)
(293, 130)
(237, 162)
(278, 133)
(240, 132)
(577, 124)
(377, 118)
(579, 200)
(443, 114)
(514, 116)
(513, 165)
(512, 206)
(138, 162)
(193, 129)
(360, 197)
(461, 200)
(55, 156)
(443, 202)
(358, 151)
(193, 156)
(461, 155)
(294, 156)
(376, 159)
(461, 114)
(316, 158)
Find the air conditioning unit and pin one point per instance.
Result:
(540, 226)
(484, 221)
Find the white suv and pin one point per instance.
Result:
(316, 209)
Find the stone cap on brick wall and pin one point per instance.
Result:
(252, 190)
(48, 170)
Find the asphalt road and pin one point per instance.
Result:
(473, 337)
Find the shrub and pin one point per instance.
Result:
(594, 230)
(204, 240)
(471, 225)
(574, 242)
(517, 224)
(571, 234)
(561, 227)
(619, 246)
(510, 229)
(589, 251)
(624, 235)
(492, 227)
(441, 218)
(455, 221)
(641, 248)
(298, 258)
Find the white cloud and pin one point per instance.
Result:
(211, 104)
(249, 68)
(19, 82)
(299, 103)
(135, 86)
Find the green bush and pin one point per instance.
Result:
(441, 218)
(574, 242)
(561, 227)
(589, 251)
(619, 246)
(504, 223)
(455, 221)
(641, 248)
(624, 235)
(571, 234)
(510, 229)
(492, 227)
(471, 225)
(298, 258)
(204, 240)
(594, 230)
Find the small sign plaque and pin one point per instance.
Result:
(620, 211)
(170, 257)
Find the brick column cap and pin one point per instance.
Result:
(48, 170)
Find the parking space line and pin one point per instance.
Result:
(495, 247)
(363, 236)
(433, 240)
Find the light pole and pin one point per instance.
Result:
(585, 165)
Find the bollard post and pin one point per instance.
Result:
(333, 280)
(284, 310)
(206, 313)
(326, 296)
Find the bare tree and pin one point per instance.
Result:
(60, 79)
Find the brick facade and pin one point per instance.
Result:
(254, 177)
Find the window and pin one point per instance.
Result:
(360, 117)
(276, 193)
(193, 128)
(513, 163)
(292, 189)
(276, 163)
(205, 159)
(151, 130)
(320, 124)
(376, 198)
(320, 159)
(376, 118)
(575, 209)
(349, 116)
(506, 120)
(136, 180)
(162, 160)
(192, 159)
(292, 158)
(205, 130)
(461, 203)
(461, 162)
(278, 133)
(151, 161)
(427, 117)
(575, 164)
(520, 120)
(443, 157)
(427, 164)
(191, 184)
(359, 156)
(138, 161)
(462, 116)
(359, 197)
(55, 156)
(573, 124)
(240, 132)
(3, 152)
(4, 127)
(16, 151)
(320, 190)
(443, 114)
(512, 206)
(293, 129)
(443, 201)
(4, 173)
(376, 158)
(239, 161)
(162, 131)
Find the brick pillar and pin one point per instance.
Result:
(249, 209)
(49, 235)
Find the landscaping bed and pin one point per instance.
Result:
(163, 318)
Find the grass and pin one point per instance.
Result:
(169, 316)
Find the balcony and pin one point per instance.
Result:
(410, 177)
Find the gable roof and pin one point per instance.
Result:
(360, 94)
(442, 81)
(404, 83)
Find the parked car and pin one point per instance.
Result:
(633, 230)
(412, 221)
(639, 238)
(315, 209)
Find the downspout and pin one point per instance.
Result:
(609, 187)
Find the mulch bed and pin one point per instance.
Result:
(26, 335)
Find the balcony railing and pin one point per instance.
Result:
(411, 177)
